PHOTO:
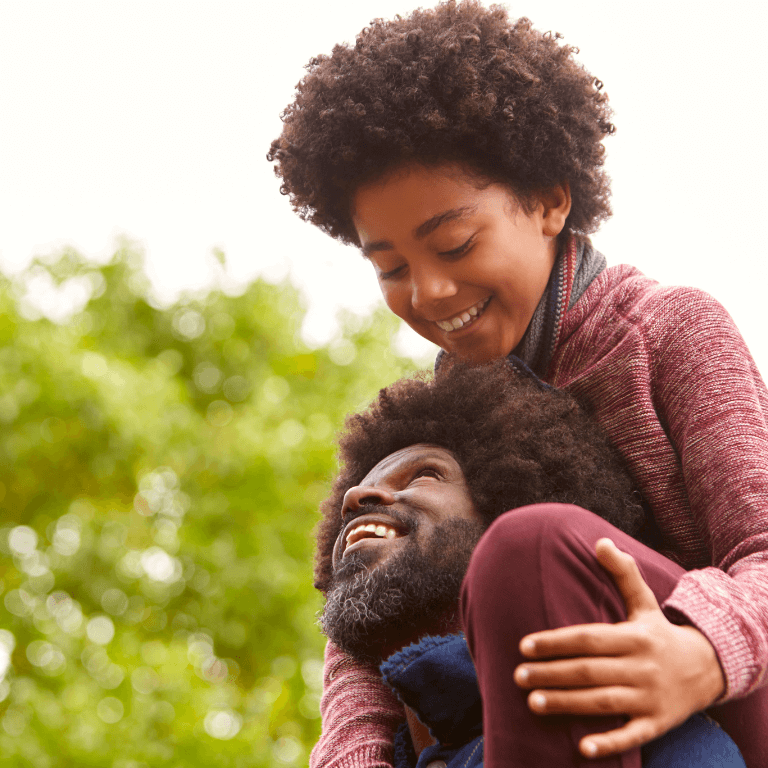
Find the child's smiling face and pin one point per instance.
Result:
(464, 266)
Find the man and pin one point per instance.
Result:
(427, 469)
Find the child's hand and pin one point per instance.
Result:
(654, 672)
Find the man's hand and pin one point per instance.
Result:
(654, 672)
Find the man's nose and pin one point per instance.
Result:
(430, 285)
(358, 495)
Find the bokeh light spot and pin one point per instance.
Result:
(286, 750)
(236, 388)
(160, 566)
(188, 324)
(46, 656)
(290, 433)
(207, 377)
(222, 723)
(93, 365)
(219, 413)
(100, 630)
(114, 601)
(110, 709)
(343, 352)
(66, 540)
(144, 680)
(22, 540)
(275, 389)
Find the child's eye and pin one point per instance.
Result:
(391, 273)
(461, 250)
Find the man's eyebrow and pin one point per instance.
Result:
(424, 229)
(407, 462)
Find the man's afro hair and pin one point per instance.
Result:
(459, 83)
(516, 442)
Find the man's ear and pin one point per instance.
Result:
(556, 204)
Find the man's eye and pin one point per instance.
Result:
(428, 472)
(461, 250)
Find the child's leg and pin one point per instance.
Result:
(535, 569)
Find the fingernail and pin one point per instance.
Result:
(522, 675)
(538, 701)
(590, 748)
(527, 645)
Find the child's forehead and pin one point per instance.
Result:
(439, 182)
(416, 201)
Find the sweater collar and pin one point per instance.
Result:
(575, 268)
(436, 679)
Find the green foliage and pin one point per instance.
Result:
(160, 474)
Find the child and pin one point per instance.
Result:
(462, 152)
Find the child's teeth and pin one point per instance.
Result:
(461, 320)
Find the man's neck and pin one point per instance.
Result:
(420, 735)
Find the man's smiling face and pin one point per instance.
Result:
(409, 492)
(408, 531)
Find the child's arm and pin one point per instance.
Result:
(359, 714)
(715, 405)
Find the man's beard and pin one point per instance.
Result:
(370, 613)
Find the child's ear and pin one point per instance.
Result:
(556, 204)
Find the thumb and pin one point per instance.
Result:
(638, 596)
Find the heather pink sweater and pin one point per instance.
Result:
(672, 383)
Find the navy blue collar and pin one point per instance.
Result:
(436, 678)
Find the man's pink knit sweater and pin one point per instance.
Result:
(669, 378)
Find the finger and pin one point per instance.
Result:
(635, 733)
(584, 640)
(586, 672)
(637, 595)
(606, 700)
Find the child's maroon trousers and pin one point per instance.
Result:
(534, 569)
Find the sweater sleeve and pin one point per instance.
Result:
(359, 715)
(711, 399)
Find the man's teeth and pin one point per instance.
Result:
(464, 318)
(364, 531)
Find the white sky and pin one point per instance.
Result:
(152, 118)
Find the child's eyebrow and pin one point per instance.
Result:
(430, 225)
(424, 229)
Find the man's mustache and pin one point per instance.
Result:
(409, 521)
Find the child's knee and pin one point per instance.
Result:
(516, 535)
(536, 567)
(525, 547)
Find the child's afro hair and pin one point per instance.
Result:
(456, 83)
(516, 442)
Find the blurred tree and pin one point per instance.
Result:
(160, 474)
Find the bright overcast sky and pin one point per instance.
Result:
(152, 118)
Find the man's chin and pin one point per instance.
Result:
(364, 613)
(376, 605)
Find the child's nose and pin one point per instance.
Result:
(430, 286)
(365, 494)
